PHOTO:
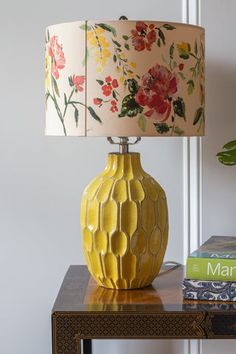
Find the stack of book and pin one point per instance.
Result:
(211, 271)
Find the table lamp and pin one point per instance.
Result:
(124, 79)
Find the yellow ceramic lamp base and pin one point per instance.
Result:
(124, 221)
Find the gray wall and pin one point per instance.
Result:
(42, 178)
(219, 182)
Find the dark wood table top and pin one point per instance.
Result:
(80, 293)
(84, 311)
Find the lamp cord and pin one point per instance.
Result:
(171, 266)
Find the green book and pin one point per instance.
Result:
(214, 260)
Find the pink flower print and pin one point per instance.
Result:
(143, 36)
(78, 81)
(109, 86)
(156, 91)
(138, 41)
(108, 79)
(115, 83)
(57, 55)
(113, 106)
(97, 101)
(151, 38)
(141, 26)
(107, 90)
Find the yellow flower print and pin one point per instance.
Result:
(106, 53)
(133, 64)
(97, 54)
(100, 60)
(122, 56)
(123, 66)
(99, 46)
(99, 31)
(184, 46)
(103, 42)
(92, 41)
(130, 75)
(90, 35)
(184, 50)
(99, 69)
(103, 47)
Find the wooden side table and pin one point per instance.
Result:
(84, 311)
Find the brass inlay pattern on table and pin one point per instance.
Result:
(70, 328)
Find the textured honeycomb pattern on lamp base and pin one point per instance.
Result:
(124, 221)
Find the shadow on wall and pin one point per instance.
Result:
(220, 108)
(219, 190)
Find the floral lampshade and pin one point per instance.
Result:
(124, 78)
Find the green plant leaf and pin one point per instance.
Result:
(168, 27)
(226, 159)
(100, 82)
(125, 37)
(70, 81)
(130, 107)
(179, 107)
(190, 84)
(228, 155)
(159, 42)
(172, 64)
(94, 114)
(55, 86)
(163, 58)
(161, 128)
(198, 114)
(181, 75)
(116, 43)
(127, 46)
(171, 50)
(202, 49)
(85, 27)
(133, 86)
(195, 48)
(76, 115)
(142, 122)
(162, 36)
(47, 95)
(184, 56)
(65, 99)
(178, 131)
(230, 145)
(114, 58)
(107, 27)
(114, 95)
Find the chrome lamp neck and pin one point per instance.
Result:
(123, 143)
